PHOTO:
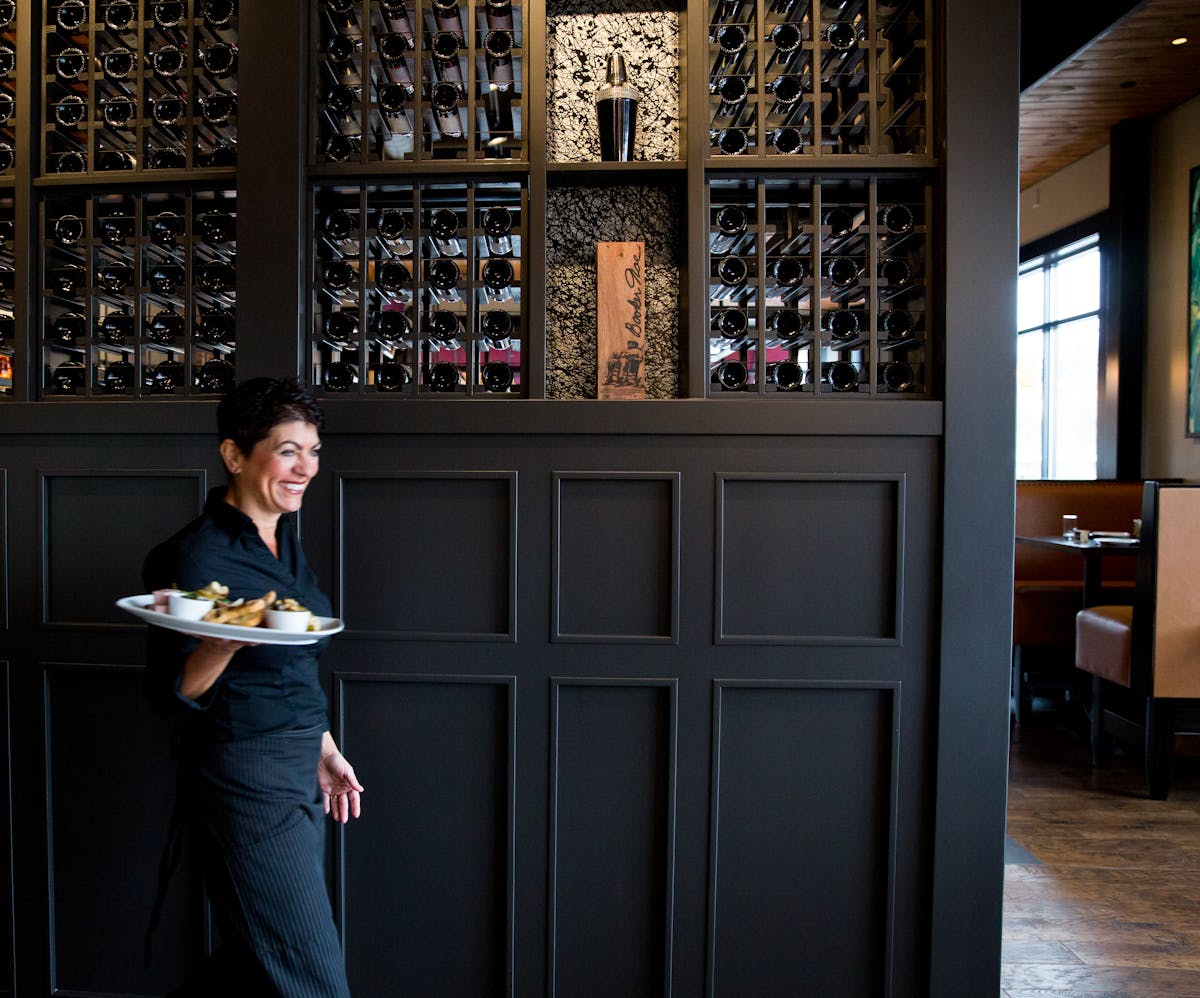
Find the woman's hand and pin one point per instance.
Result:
(340, 788)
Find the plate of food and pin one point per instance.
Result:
(209, 613)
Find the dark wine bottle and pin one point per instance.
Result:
(447, 16)
(341, 330)
(443, 229)
(843, 376)
(497, 223)
(445, 47)
(340, 49)
(115, 327)
(443, 377)
(217, 277)
(732, 141)
(392, 98)
(842, 36)
(499, 14)
(68, 328)
(119, 15)
(733, 92)
(71, 15)
(895, 272)
(166, 278)
(339, 225)
(788, 271)
(70, 63)
(787, 375)
(395, 12)
(497, 328)
(68, 230)
(497, 50)
(118, 377)
(392, 327)
(788, 324)
(497, 276)
(69, 110)
(732, 273)
(340, 148)
(217, 227)
(393, 277)
(116, 229)
(731, 46)
(115, 277)
(166, 326)
(392, 376)
(895, 220)
(339, 275)
(786, 140)
(616, 113)
(8, 12)
(219, 59)
(896, 375)
(168, 158)
(167, 61)
(839, 221)
(842, 271)
(841, 324)
(69, 378)
(897, 324)
(733, 375)
(166, 378)
(7, 157)
(166, 228)
(496, 376)
(115, 159)
(69, 280)
(393, 225)
(443, 278)
(218, 325)
(167, 109)
(444, 98)
(217, 14)
(732, 324)
(169, 13)
(340, 376)
(71, 161)
(117, 63)
(445, 328)
(786, 40)
(8, 60)
(730, 221)
(216, 377)
(218, 107)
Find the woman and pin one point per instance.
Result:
(258, 765)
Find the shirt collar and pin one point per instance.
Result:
(227, 516)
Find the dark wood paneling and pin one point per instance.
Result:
(612, 838)
(803, 840)
(97, 527)
(3, 549)
(109, 793)
(814, 559)
(8, 942)
(428, 555)
(616, 557)
(426, 878)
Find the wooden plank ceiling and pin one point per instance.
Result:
(1129, 71)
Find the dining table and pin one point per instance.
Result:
(1093, 551)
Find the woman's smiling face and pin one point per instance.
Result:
(272, 478)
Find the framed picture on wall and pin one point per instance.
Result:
(1193, 393)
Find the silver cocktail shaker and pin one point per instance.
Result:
(616, 109)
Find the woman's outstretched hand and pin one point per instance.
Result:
(340, 788)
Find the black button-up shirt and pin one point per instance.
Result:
(264, 689)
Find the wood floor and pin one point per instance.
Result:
(1113, 908)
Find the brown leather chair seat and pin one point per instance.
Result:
(1103, 642)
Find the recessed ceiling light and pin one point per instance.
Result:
(1181, 40)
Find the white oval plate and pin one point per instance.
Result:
(142, 608)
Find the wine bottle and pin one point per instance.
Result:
(69, 378)
(896, 375)
(788, 324)
(786, 40)
(841, 324)
(119, 15)
(895, 220)
(67, 328)
(616, 111)
(8, 328)
(732, 141)
(339, 225)
(732, 324)
(842, 271)
(393, 226)
(843, 376)
(166, 278)
(115, 277)
(842, 36)
(116, 229)
(393, 48)
(444, 99)
(70, 280)
(217, 277)
(445, 47)
(786, 140)
(168, 13)
(496, 376)
(787, 375)
(499, 14)
(443, 377)
(339, 148)
(786, 90)
(219, 59)
(8, 12)
(341, 329)
(897, 324)
(217, 227)
(443, 278)
(445, 328)
(732, 273)
(341, 376)
(166, 326)
(8, 60)
(788, 271)
(497, 223)
(392, 327)
(496, 326)
(497, 51)
(395, 12)
(167, 61)
(222, 154)
(218, 13)
(447, 17)
(731, 46)
(218, 325)
(115, 159)
(117, 63)
(728, 10)
(165, 228)
(839, 221)
(392, 376)
(70, 63)
(733, 375)
(115, 327)
(216, 377)
(7, 157)
(733, 92)
(497, 276)
(166, 109)
(69, 110)
(68, 230)
(166, 377)
(218, 107)
(71, 15)
(895, 272)
(392, 97)
(168, 158)
(393, 277)
(731, 222)
(71, 161)
(118, 377)
(340, 49)
(443, 229)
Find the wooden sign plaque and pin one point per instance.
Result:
(620, 320)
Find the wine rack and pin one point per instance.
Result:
(8, 87)
(417, 288)
(8, 276)
(818, 286)
(817, 77)
(138, 293)
(434, 79)
(130, 89)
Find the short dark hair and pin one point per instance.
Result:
(255, 407)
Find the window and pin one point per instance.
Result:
(1058, 358)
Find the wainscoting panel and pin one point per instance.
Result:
(803, 839)
(809, 558)
(612, 838)
(7, 940)
(109, 791)
(425, 883)
(428, 555)
(97, 528)
(616, 561)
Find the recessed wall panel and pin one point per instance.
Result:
(7, 941)
(616, 564)
(108, 820)
(429, 555)
(613, 839)
(803, 819)
(426, 896)
(809, 559)
(98, 528)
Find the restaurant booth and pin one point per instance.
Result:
(702, 689)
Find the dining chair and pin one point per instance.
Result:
(1145, 659)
